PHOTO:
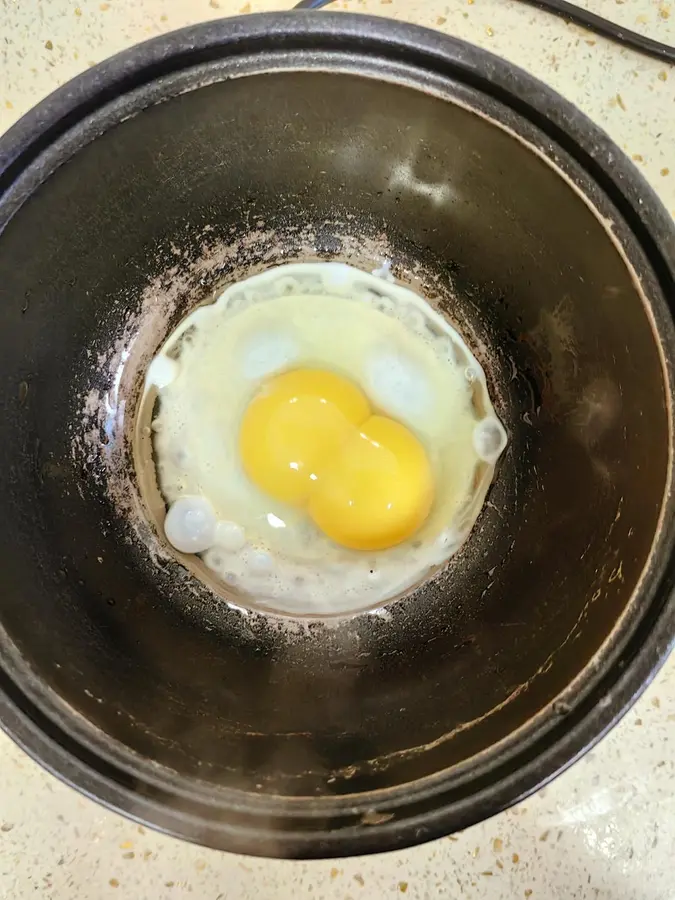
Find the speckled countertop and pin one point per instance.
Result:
(605, 829)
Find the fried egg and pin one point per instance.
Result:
(323, 439)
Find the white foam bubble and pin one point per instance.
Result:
(267, 353)
(190, 525)
(489, 439)
(230, 536)
(398, 386)
(161, 372)
(260, 562)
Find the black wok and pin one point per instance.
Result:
(141, 187)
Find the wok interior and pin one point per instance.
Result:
(513, 255)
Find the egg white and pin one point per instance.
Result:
(407, 359)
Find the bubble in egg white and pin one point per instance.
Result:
(489, 440)
(259, 562)
(230, 536)
(190, 525)
(161, 372)
(416, 321)
(266, 353)
(398, 386)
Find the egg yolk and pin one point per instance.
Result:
(309, 439)
(297, 420)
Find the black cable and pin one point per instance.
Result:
(571, 13)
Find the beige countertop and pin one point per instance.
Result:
(605, 829)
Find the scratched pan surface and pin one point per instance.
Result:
(341, 137)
